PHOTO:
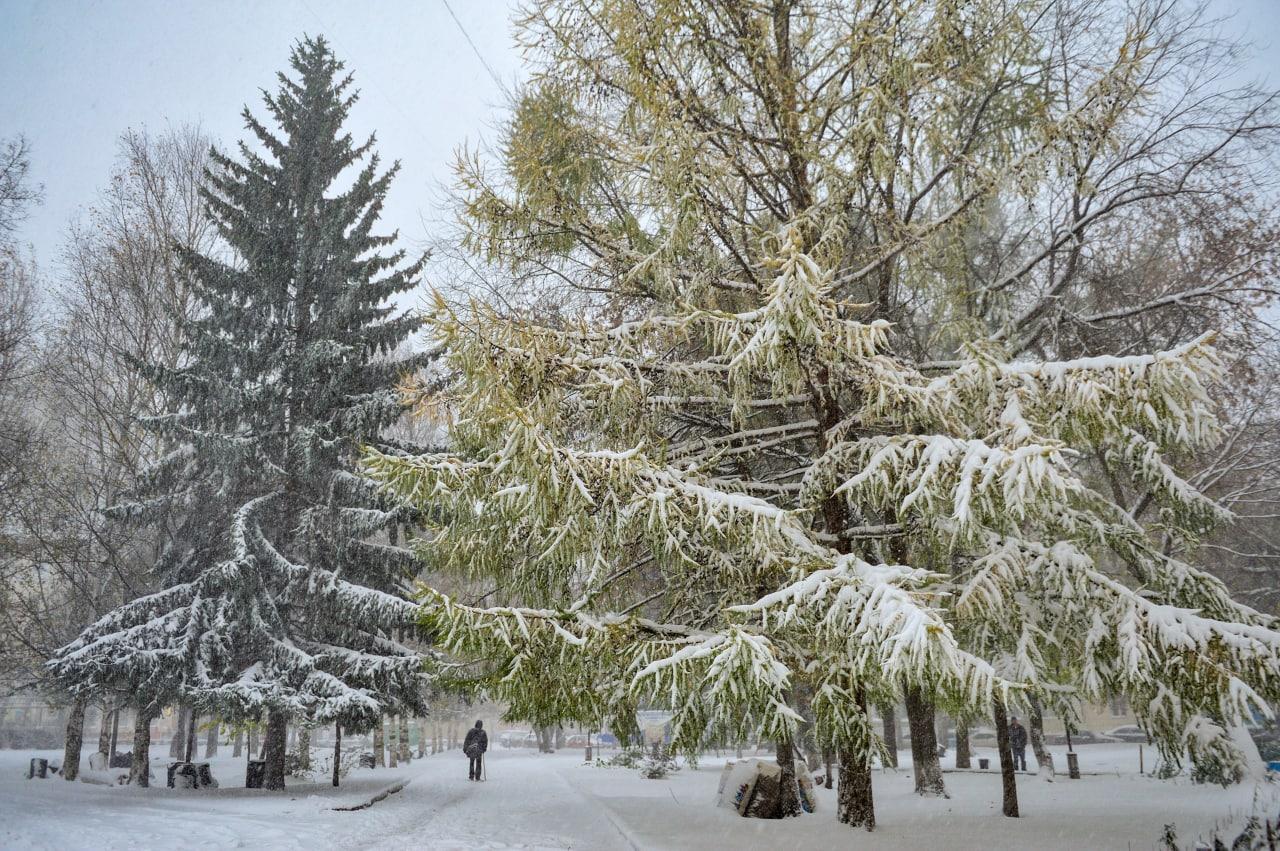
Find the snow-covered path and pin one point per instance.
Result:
(534, 801)
(528, 802)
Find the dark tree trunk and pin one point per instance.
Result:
(74, 742)
(379, 751)
(304, 746)
(1008, 780)
(962, 744)
(179, 740)
(889, 725)
(104, 728)
(1044, 759)
(115, 729)
(789, 790)
(924, 744)
(337, 751)
(273, 750)
(211, 739)
(253, 741)
(190, 755)
(827, 759)
(855, 805)
(140, 768)
(237, 744)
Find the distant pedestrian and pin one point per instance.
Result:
(1018, 744)
(477, 742)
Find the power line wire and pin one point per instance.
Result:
(475, 49)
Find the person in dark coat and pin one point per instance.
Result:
(477, 742)
(1018, 744)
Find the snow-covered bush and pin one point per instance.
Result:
(658, 763)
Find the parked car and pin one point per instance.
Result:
(1079, 737)
(1127, 733)
(517, 739)
(982, 737)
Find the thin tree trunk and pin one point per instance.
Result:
(179, 740)
(337, 751)
(104, 729)
(74, 742)
(115, 731)
(963, 755)
(827, 758)
(422, 738)
(889, 725)
(435, 739)
(304, 746)
(190, 754)
(405, 753)
(237, 744)
(1008, 780)
(788, 789)
(140, 768)
(379, 756)
(273, 748)
(1044, 759)
(855, 805)
(211, 739)
(924, 744)
(393, 749)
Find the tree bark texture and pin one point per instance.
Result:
(1008, 780)
(789, 789)
(889, 726)
(924, 744)
(211, 739)
(1044, 759)
(273, 750)
(140, 768)
(237, 744)
(304, 746)
(379, 755)
(337, 751)
(963, 755)
(104, 728)
(855, 805)
(74, 742)
(405, 753)
(179, 741)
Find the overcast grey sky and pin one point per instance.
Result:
(73, 75)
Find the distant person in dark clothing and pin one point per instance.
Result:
(1018, 744)
(477, 742)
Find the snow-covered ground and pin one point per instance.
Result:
(554, 801)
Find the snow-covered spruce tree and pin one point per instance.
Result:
(282, 589)
(797, 441)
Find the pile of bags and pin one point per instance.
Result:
(753, 787)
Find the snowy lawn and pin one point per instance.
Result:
(554, 801)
